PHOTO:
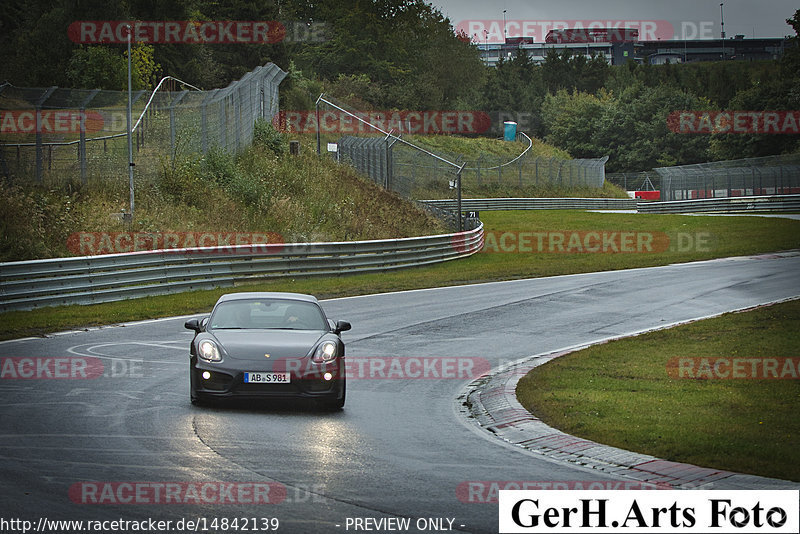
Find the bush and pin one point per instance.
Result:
(266, 136)
(34, 222)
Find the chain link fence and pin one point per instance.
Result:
(370, 155)
(421, 177)
(415, 174)
(54, 135)
(378, 150)
(635, 181)
(772, 175)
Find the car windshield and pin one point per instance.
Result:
(267, 313)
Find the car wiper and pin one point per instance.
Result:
(228, 328)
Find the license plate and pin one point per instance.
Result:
(267, 378)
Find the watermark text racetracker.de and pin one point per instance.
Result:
(200, 492)
(395, 368)
(595, 241)
(70, 368)
(50, 121)
(413, 122)
(94, 243)
(734, 122)
(734, 368)
(196, 32)
(494, 31)
(47, 368)
(488, 491)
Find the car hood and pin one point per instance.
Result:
(279, 344)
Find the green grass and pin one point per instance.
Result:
(621, 394)
(477, 147)
(261, 190)
(301, 199)
(729, 236)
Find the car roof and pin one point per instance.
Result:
(267, 295)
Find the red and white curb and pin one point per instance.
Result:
(491, 403)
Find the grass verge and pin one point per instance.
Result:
(621, 394)
(722, 237)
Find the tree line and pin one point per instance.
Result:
(404, 54)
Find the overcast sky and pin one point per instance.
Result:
(695, 18)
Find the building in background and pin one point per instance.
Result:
(618, 45)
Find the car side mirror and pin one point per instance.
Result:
(193, 324)
(342, 326)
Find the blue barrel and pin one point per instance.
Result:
(510, 131)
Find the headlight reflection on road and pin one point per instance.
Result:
(333, 443)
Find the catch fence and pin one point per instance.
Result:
(374, 143)
(56, 135)
(420, 177)
(772, 175)
(635, 181)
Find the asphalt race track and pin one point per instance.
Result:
(398, 449)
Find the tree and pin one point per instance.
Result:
(97, 67)
(571, 121)
(631, 128)
(775, 93)
(406, 47)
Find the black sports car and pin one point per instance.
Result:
(267, 345)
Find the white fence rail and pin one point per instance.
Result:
(489, 204)
(104, 278)
(759, 204)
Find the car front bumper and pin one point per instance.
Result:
(226, 381)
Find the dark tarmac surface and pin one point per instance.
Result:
(397, 450)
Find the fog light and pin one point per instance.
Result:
(327, 376)
(206, 375)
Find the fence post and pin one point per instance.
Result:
(458, 189)
(172, 128)
(390, 164)
(82, 140)
(223, 137)
(237, 114)
(204, 122)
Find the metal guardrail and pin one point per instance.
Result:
(105, 278)
(490, 204)
(759, 204)
(93, 279)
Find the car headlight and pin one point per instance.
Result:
(325, 353)
(208, 350)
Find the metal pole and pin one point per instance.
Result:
(129, 121)
(39, 141)
(722, 23)
(486, 45)
(384, 132)
(39, 144)
(316, 111)
(458, 189)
